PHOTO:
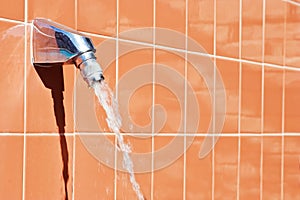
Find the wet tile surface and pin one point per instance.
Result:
(198, 171)
(169, 92)
(226, 159)
(274, 32)
(170, 15)
(291, 167)
(92, 178)
(251, 98)
(273, 90)
(229, 71)
(250, 156)
(13, 10)
(201, 24)
(227, 28)
(271, 183)
(59, 11)
(199, 100)
(12, 77)
(252, 15)
(292, 35)
(11, 168)
(50, 99)
(131, 18)
(135, 87)
(49, 164)
(168, 181)
(291, 114)
(97, 16)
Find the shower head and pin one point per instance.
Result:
(54, 43)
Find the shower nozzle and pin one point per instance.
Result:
(54, 43)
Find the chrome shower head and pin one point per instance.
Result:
(54, 43)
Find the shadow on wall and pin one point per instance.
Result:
(53, 79)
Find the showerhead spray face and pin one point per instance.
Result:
(54, 43)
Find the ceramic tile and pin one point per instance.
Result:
(169, 92)
(12, 10)
(252, 15)
(274, 32)
(48, 167)
(46, 111)
(292, 43)
(125, 187)
(11, 168)
(43, 115)
(141, 157)
(59, 11)
(90, 116)
(199, 101)
(291, 168)
(201, 24)
(271, 168)
(273, 89)
(97, 16)
(227, 39)
(250, 168)
(198, 172)
(135, 87)
(133, 15)
(229, 72)
(93, 179)
(226, 160)
(251, 98)
(168, 181)
(12, 77)
(291, 102)
(170, 15)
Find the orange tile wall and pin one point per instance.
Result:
(255, 45)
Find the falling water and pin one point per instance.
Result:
(108, 102)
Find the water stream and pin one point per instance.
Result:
(110, 105)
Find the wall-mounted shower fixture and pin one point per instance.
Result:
(54, 43)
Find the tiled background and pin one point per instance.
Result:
(256, 47)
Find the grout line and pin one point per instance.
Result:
(13, 20)
(117, 39)
(239, 102)
(12, 135)
(115, 170)
(213, 111)
(25, 98)
(292, 2)
(283, 107)
(153, 101)
(238, 168)
(287, 134)
(73, 167)
(74, 84)
(282, 139)
(185, 98)
(76, 14)
(262, 97)
(74, 113)
(117, 76)
(215, 29)
(261, 168)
